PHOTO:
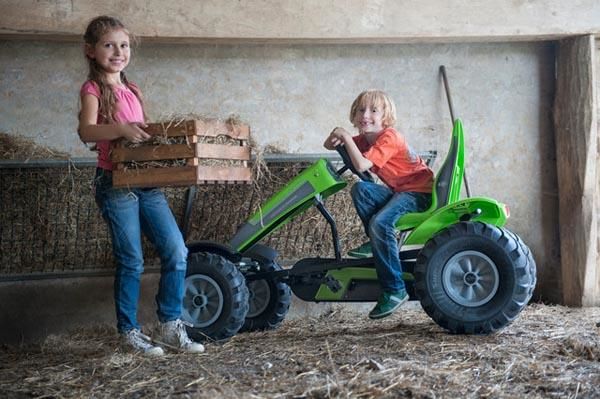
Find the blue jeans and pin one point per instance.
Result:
(379, 208)
(129, 212)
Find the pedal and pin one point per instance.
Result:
(333, 284)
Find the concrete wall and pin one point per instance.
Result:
(292, 95)
(32, 310)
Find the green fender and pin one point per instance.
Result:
(480, 209)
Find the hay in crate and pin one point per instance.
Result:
(549, 351)
(183, 153)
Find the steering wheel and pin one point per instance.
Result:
(364, 176)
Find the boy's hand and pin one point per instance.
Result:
(336, 137)
(339, 133)
(133, 132)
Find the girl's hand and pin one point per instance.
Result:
(133, 132)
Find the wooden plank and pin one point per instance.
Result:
(219, 173)
(222, 151)
(155, 177)
(576, 135)
(241, 132)
(179, 176)
(152, 153)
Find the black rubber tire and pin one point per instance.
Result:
(503, 259)
(269, 302)
(215, 300)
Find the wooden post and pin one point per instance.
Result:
(576, 131)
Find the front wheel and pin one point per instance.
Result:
(474, 278)
(215, 300)
(269, 301)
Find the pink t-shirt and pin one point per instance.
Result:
(129, 109)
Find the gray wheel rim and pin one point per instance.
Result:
(202, 301)
(260, 295)
(470, 278)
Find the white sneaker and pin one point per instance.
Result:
(173, 334)
(135, 340)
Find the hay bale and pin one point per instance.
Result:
(22, 148)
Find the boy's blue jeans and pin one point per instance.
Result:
(129, 212)
(379, 208)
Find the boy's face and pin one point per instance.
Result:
(369, 118)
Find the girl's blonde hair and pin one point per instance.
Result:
(378, 99)
(95, 29)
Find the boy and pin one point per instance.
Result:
(383, 150)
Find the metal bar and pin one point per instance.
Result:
(83, 162)
(47, 163)
(190, 196)
(75, 274)
(449, 97)
(331, 221)
(91, 162)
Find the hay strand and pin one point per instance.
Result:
(549, 351)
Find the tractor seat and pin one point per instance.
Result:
(447, 182)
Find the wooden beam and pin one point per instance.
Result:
(576, 135)
(308, 21)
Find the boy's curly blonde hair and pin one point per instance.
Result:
(378, 99)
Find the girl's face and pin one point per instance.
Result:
(369, 118)
(112, 51)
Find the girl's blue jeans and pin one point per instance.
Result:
(379, 208)
(129, 212)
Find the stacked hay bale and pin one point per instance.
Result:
(49, 222)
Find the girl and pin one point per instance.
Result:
(112, 108)
(380, 148)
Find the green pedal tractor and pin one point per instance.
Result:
(470, 274)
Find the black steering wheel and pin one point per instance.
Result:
(364, 176)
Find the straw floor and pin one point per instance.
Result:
(548, 352)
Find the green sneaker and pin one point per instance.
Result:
(387, 304)
(364, 251)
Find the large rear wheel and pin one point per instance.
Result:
(215, 300)
(474, 278)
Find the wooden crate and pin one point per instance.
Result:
(195, 150)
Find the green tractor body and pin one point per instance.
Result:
(319, 180)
